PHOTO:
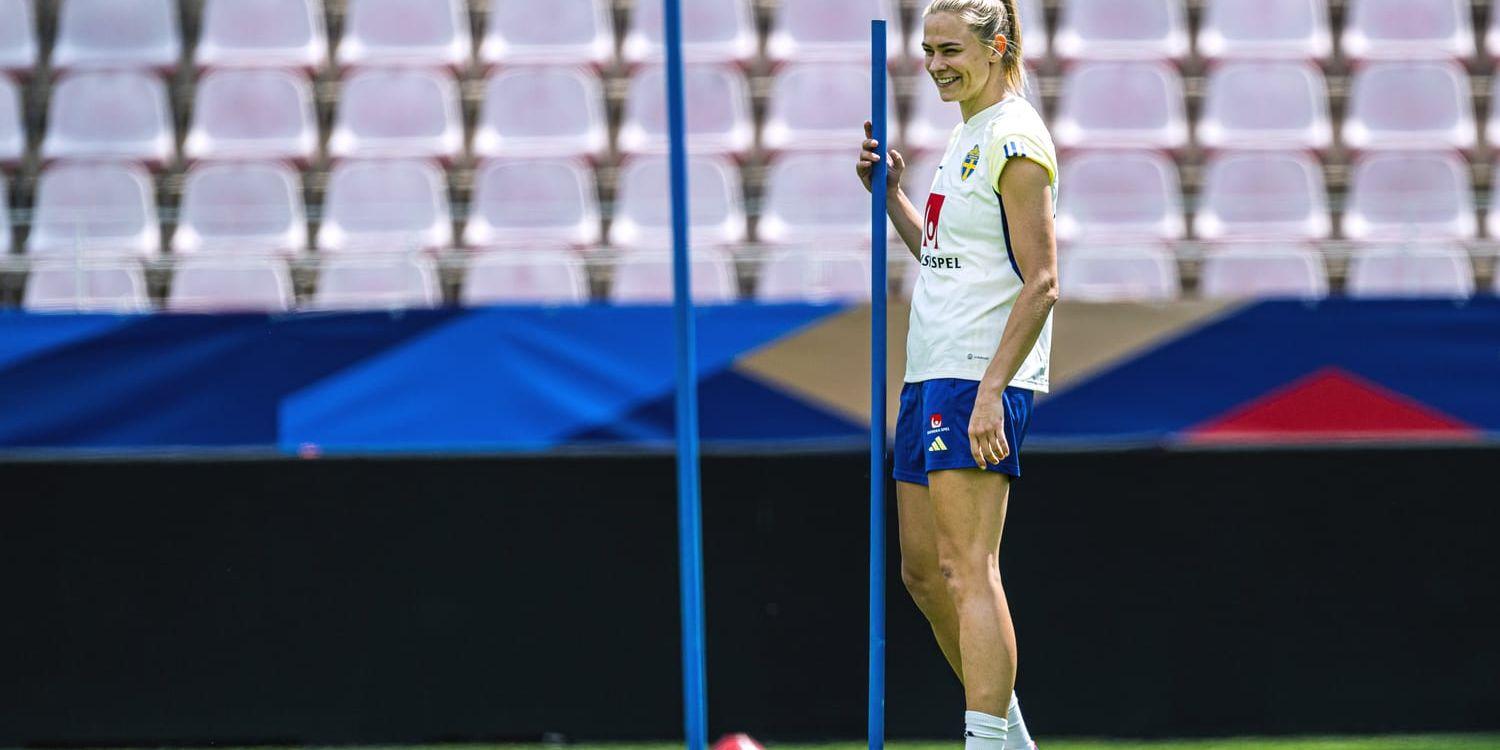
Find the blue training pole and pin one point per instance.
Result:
(689, 505)
(878, 182)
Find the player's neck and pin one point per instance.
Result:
(980, 103)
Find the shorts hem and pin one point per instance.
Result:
(909, 477)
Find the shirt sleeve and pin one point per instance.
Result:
(1006, 146)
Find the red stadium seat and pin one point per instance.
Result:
(420, 33)
(643, 203)
(1263, 271)
(1406, 105)
(216, 283)
(1277, 105)
(398, 114)
(97, 209)
(375, 282)
(645, 276)
(1257, 194)
(1410, 196)
(813, 197)
(12, 124)
(817, 106)
(1407, 29)
(1111, 194)
(68, 287)
(527, 202)
(263, 33)
(1121, 105)
(114, 115)
(718, 122)
(831, 31)
(1265, 30)
(1122, 30)
(545, 276)
(253, 114)
(386, 206)
(713, 31)
(241, 208)
(96, 34)
(542, 112)
(19, 51)
(1119, 273)
(1411, 271)
(549, 32)
(815, 274)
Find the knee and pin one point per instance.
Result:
(966, 575)
(925, 585)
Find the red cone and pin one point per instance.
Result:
(737, 742)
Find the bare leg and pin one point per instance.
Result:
(969, 510)
(919, 568)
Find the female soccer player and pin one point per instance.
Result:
(977, 348)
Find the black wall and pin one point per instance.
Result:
(404, 600)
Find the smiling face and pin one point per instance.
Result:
(964, 69)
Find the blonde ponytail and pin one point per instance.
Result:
(986, 18)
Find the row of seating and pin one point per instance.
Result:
(146, 33)
(802, 274)
(560, 112)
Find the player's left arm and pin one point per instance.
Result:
(1025, 188)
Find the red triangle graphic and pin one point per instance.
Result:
(1332, 404)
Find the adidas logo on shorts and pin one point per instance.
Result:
(937, 445)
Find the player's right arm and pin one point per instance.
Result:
(903, 214)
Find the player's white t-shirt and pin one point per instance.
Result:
(969, 280)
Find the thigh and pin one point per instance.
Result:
(916, 530)
(968, 509)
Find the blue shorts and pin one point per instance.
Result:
(932, 428)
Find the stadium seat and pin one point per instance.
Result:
(114, 115)
(1403, 196)
(375, 282)
(1119, 273)
(563, 114)
(812, 197)
(643, 203)
(817, 106)
(1122, 30)
(263, 33)
(1410, 105)
(1259, 194)
(815, 274)
(718, 121)
(645, 277)
(549, 32)
(1492, 46)
(398, 114)
(1121, 105)
(1275, 105)
(1112, 194)
(1265, 30)
(241, 208)
(931, 122)
(713, 31)
(1036, 43)
(419, 33)
(68, 287)
(253, 114)
(1263, 271)
(1492, 125)
(544, 276)
(12, 124)
(99, 209)
(386, 206)
(19, 51)
(1407, 29)
(533, 201)
(830, 31)
(216, 284)
(115, 34)
(1411, 271)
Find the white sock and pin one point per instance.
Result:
(984, 732)
(1017, 738)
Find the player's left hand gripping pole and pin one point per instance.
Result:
(689, 509)
(878, 182)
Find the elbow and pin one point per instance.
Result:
(1045, 287)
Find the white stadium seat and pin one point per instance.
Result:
(253, 114)
(1121, 105)
(398, 114)
(643, 203)
(241, 208)
(816, 106)
(220, 284)
(549, 32)
(1273, 105)
(97, 209)
(718, 120)
(1260, 194)
(830, 31)
(263, 34)
(645, 277)
(810, 197)
(70, 287)
(110, 115)
(543, 276)
(542, 112)
(713, 31)
(1265, 30)
(1257, 271)
(386, 206)
(1410, 105)
(1121, 30)
(530, 202)
(375, 282)
(115, 34)
(420, 33)
(815, 274)
(19, 50)
(1411, 271)
(1113, 194)
(1407, 29)
(1118, 273)
(1410, 196)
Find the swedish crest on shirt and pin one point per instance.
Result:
(971, 161)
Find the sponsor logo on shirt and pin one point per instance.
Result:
(940, 261)
(930, 220)
(971, 161)
(936, 420)
(937, 445)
